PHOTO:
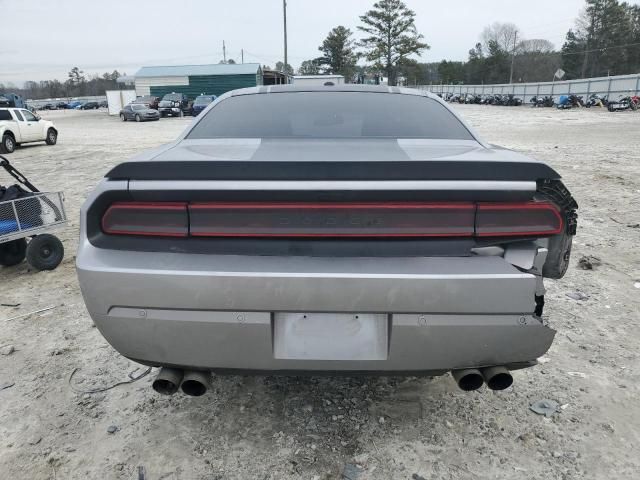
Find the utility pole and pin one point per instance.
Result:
(284, 12)
(513, 55)
(224, 52)
(242, 55)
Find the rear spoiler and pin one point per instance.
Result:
(377, 170)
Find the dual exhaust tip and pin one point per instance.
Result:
(497, 378)
(192, 383)
(196, 383)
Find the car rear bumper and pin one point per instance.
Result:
(218, 311)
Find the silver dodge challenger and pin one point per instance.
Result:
(337, 229)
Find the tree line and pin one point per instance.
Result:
(76, 85)
(605, 41)
(389, 39)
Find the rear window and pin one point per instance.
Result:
(330, 115)
(5, 115)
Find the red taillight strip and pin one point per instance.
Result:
(330, 206)
(148, 205)
(555, 226)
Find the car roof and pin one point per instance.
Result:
(348, 87)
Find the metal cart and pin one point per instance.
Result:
(31, 214)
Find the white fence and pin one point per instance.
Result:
(621, 85)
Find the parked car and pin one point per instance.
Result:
(62, 105)
(138, 112)
(74, 104)
(200, 103)
(174, 105)
(19, 125)
(90, 106)
(48, 106)
(356, 229)
(150, 101)
(104, 104)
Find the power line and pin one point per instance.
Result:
(601, 49)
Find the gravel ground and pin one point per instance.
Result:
(324, 428)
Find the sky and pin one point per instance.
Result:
(49, 37)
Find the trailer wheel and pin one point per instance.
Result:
(12, 253)
(45, 252)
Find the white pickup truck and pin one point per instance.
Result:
(19, 125)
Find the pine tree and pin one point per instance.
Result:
(573, 55)
(339, 56)
(392, 36)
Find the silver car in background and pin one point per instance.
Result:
(342, 229)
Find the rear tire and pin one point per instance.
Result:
(52, 137)
(44, 252)
(8, 144)
(123, 117)
(12, 253)
(558, 256)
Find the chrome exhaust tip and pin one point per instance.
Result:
(469, 379)
(167, 381)
(497, 378)
(195, 383)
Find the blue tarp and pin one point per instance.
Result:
(10, 226)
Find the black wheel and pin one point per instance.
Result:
(45, 252)
(8, 144)
(123, 117)
(137, 117)
(558, 257)
(52, 137)
(13, 252)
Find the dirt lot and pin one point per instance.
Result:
(381, 428)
